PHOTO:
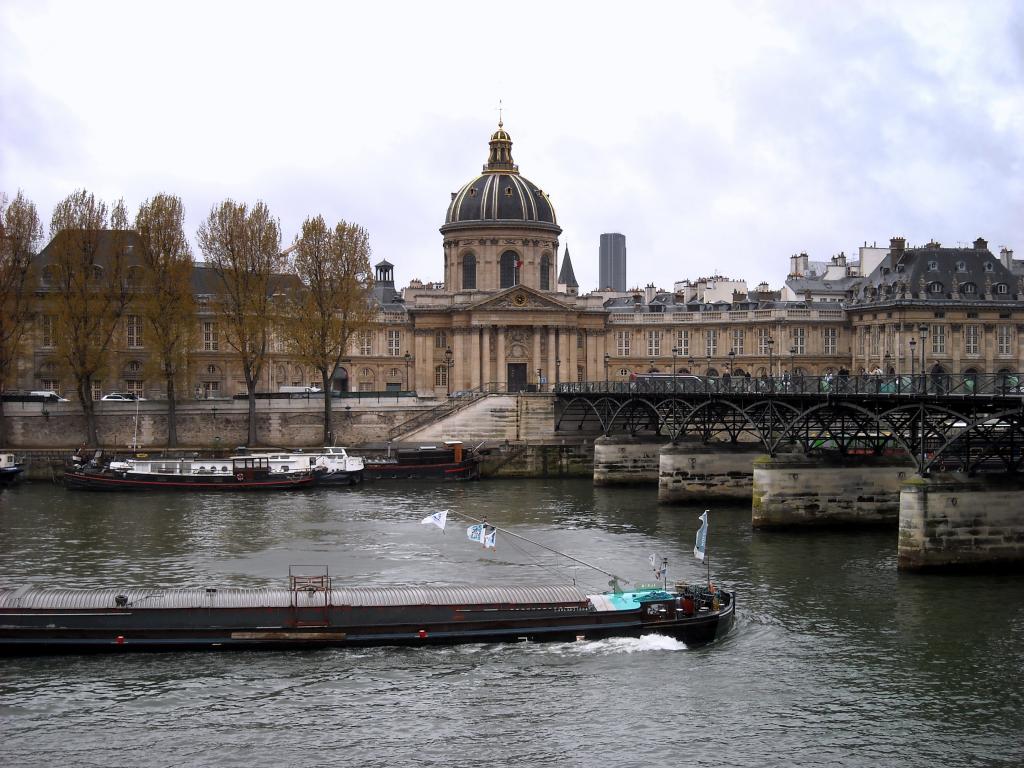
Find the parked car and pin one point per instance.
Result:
(124, 397)
(48, 394)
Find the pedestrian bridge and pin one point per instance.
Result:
(972, 422)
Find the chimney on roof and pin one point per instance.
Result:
(980, 244)
(897, 245)
(1006, 256)
(802, 263)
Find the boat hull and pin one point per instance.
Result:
(107, 481)
(305, 625)
(401, 470)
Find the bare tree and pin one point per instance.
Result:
(243, 248)
(20, 235)
(164, 296)
(331, 300)
(86, 263)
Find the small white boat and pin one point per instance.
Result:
(11, 468)
(333, 464)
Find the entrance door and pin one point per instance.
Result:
(516, 377)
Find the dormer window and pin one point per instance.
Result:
(961, 266)
(968, 288)
(989, 266)
(472, 191)
(933, 266)
(1002, 288)
(935, 287)
(899, 267)
(508, 191)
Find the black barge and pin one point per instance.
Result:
(313, 614)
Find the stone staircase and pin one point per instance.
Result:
(511, 417)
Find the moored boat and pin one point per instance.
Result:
(10, 469)
(449, 461)
(313, 613)
(237, 473)
(334, 464)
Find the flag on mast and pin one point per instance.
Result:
(490, 537)
(476, 533)
(438, 518)
(702, 537)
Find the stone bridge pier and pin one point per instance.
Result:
(794, 490)
(691, 470)
(627, 460)
(949, 520)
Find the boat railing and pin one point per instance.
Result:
(306, 581)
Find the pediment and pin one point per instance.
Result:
(519, 298)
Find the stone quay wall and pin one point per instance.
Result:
(204, 424)
(949, 521)
(793, 490)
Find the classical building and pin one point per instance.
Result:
(508, 319)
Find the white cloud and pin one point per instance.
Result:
(720, 138)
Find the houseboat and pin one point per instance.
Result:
(237, 473)
(448, 461)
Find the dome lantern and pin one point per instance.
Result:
(500, 158)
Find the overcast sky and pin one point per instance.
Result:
(718, 137)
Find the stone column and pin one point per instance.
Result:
(485, 372)
(549, 369)
(563, 353)
(623, 460)
(499, 362)
(475, 338)
(535, 362)
(573, 339)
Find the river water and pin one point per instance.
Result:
(835, 659)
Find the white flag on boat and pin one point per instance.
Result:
(657, 565)
(702, 536)
(438, 518)
(490, 537)
(476, 533)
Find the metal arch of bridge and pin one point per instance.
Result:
(972, 434)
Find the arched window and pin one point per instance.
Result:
(509, 269)
(545, 272)
(935, 287)
(469, 272)
(967, 288)
(1001, 288)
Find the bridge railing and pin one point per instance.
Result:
(964, 385)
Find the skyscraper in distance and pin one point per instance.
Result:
(612, 262)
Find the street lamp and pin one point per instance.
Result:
(691, 368)
(771, 345)
(913, 362)
(922, 331)
(448, 362)
(607, 358)
(792, 366)
(732, 357)
(407, 358)
(558, 370)
(674, 353)
(886, 362)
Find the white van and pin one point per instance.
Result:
(48, 394)
(301, 390)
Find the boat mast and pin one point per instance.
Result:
(614, 583)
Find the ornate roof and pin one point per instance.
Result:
(500, 195)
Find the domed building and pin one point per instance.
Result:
(500, 229)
